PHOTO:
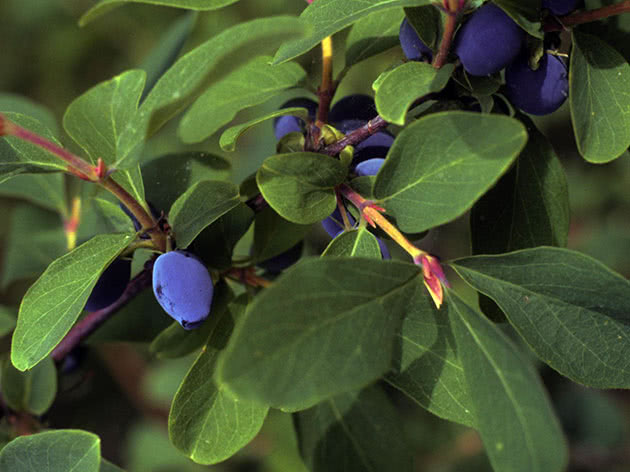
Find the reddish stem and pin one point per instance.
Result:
(358, 135)
(447, 39)
(588, 16)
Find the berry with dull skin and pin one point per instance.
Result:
(489, 41)
(284, 125)
(352, 107)
(183, 287)
(110, 286)
(537, 92)
(560, 7)
(412, 46)
(277, 264)
(369, 167)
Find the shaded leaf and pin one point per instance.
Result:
(252, 84)
(329, 16)
(53, 303)
(571, 309)
(441, 164)
(203, 411)
(372, 35)
(296, 361)
(300, 186)
(107, 466)
(354, 243)
(526, 13)
(396, 92)
(426, 21)
(231, 135)
(45, 190)
(513, 414)
(354, 431)
(599, 99)
(274, 235)
(62, 450)
(32, 391)
(427, 367)
(105, 6)
(201, 205)
(26, 106)
(7, 320)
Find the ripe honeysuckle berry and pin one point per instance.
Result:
(352, 107)
(537, 92)
(277, 264)
(369, 167)
(412, 46)
(284, 125)
(560, 7)
(183, 287)
(489, 41)
(110, 286)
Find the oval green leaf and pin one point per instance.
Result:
(55, 301)
(301, 186)
(354, 243)
(32, 391)
(564, 304)
(441, 164)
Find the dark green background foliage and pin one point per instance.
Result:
(343, 363)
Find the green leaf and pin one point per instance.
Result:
(273, 235)
(372, 35)
(21, 157)
(403, 85)
(526, 13)
(7, 320)
(107, 466)
(528, 207)
(45, 190)
(301, 186)
(164, 53)
(62, 450)
(571, 309)
(426, 21)
(170, 175)
(204, 411)
(26, 106)
(513, 413)
(113, 216)
(53, 303)
(176, 341)
(354, 431)
(231, 135)
(329, 16)
(32, 391)
(107, 5)
(613, 30)
(249, 85)
(427, 367)
(201, 205)
(441, 164)
(295, 362)
(599, 99)
(354, 243)
(203, 66)
(36, 238)
(215, 244)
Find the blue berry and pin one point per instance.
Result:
(489, 41)
(284, 125)
(540, 91)
(110, 286)
(412, 46)
(277, 264)
(183, 287)
(369, 167)
(560, 7)
(334, 223)
(352, 107)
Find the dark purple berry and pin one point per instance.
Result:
(560, 7)
(183, 287)
(369, 167)
(540, 91)
(352, 107)
(277, 264)
(489, 41)
(412, 46)
(110, 286)
(284, 125)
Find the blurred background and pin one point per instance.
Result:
(117, 389)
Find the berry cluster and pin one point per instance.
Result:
(489, 41)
